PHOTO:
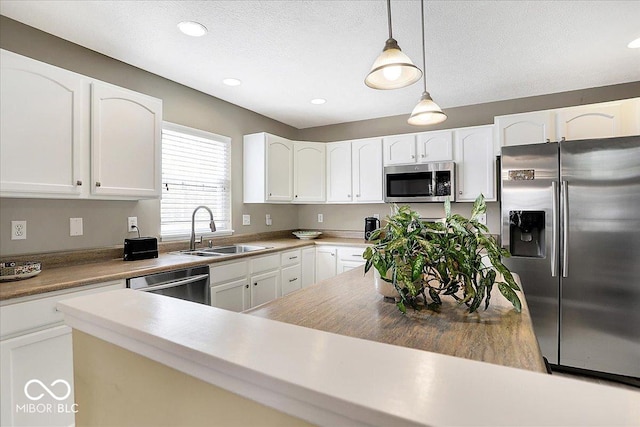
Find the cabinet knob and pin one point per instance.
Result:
(78, 182)
(269, 194)
(460, 192)
(98, 184)
(332, 254)
(296, 196)
(423, 156)
(348, 195)
(548, 140)
(357, 195)
(413, 156)
(246, 286)
(255, 284)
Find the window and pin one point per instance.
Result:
(196, 170)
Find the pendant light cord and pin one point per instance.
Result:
(389, 17)
(424, 48)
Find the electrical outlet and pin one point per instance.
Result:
(132, 223)
(75, 227)
(268, 219)
(18, 230)
(246, 219)
(482, 219)
(320, 218)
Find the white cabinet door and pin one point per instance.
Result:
(291, 279)
(367, 170)
(42, 359)
(590, 121)
(126, 137)
(527, 128)
(325, 262)
(234, 296)
(279, 169)
(475, 163)
(400, 149)
(309, 172)
(264, 287)
(339, 174)
(41, 128)
(308, 267)
(435, 146)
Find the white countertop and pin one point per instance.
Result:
(330, 379)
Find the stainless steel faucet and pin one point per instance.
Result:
(192, 242)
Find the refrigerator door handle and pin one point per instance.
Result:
(565, 229)
(554, 229)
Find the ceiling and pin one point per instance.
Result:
(289, 52)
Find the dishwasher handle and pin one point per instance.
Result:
(174, 283)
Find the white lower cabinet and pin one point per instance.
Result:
(308, 267)
(325, 262)
(291, 279)
(333, 260)
(36, 360)
(264, 287)
(234, 295)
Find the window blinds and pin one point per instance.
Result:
(196, 170)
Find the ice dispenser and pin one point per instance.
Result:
(526, 229)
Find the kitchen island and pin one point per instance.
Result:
(142, 358)
(349, 305)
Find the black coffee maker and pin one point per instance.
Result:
(370, 225)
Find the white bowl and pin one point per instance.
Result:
(307, 235)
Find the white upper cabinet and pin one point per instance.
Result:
(339, 175)
(126, 132)
(354, 171)
(475, 163)
(526, 128)
(41, 125)
(436, 146)
(65, 135)
(602, 120)
(268, 168)
(367, 172)
(400, 149)
(309, 172)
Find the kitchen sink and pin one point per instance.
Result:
(223, 250)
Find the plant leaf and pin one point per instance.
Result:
(510, 295)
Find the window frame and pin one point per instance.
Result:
(174, 127)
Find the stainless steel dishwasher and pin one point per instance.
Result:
(190, 284)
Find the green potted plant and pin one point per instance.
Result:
(425, 261)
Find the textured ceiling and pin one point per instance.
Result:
(288, 52)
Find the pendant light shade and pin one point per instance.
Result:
(427, 112)
(392, 69)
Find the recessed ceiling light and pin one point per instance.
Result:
(318, 101)
(634, 44)
(232, 82)
(193, 29)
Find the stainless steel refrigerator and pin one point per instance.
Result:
(571, 221)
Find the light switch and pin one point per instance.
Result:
(320, 217)
(246, 219)
(75, 227)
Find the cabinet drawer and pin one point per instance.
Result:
(291, 280)
(22, 317)
(265, 263)
(351, 254)
(220, 273)
(290, 257)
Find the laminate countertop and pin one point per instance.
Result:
(75, 275)
(348, 304)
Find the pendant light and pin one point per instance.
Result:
(392, 69)
(427, 112)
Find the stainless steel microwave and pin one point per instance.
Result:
(425, 182)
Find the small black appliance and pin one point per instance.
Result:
(370, 225)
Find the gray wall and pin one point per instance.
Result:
(105, 221)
